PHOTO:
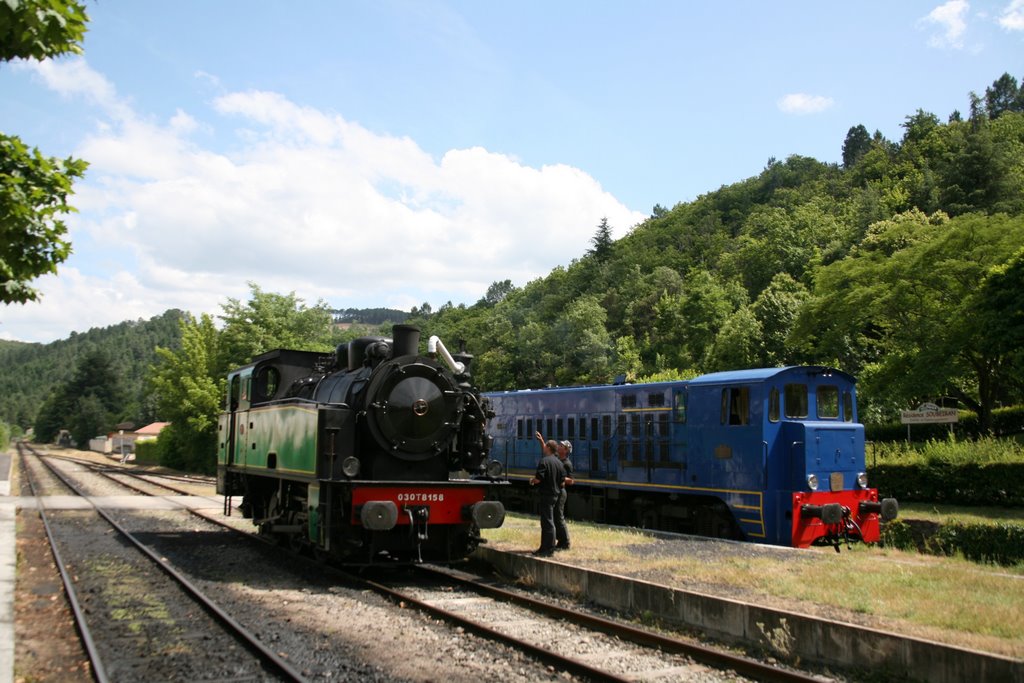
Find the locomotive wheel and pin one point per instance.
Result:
(412, 408)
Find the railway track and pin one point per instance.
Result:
(564, 640)
(570, 639)
(122, 607)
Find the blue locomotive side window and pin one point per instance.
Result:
(680, 399)
(551, 428)
(828, 402)
(623, 430)
(629, 401)
(773, 405)
(519, 428)
(736, 406)
(847, 406)
(593, 428)
(795, 401)
(529, 428)
(560, 431)
(606, 433)
(583, 427)
(571, 428)
(663, 425)
(655, 400)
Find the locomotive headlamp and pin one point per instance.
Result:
(862, 480)
(812, 482)
(495, 469)
(350, 467)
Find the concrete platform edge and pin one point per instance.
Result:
(788, 635)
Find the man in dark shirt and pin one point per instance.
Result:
(561, 529)
(549, 480)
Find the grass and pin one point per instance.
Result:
(933, 512)
(942, 598)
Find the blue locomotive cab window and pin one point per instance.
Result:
(773, 405)
(795, 401)
(680, 407)
(736, 406)
(847, 406)
(828, 402)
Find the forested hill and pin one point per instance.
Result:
(29, 373)
(902, 265)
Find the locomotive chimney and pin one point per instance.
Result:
(405, 340)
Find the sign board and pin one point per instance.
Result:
(929, 413)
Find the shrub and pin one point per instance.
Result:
(1000, 543)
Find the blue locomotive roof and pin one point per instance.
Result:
(761, 374)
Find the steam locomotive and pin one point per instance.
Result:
(771, 455)
(374, 454)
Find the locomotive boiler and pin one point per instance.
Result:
(373, 454)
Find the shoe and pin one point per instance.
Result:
(559, 548)
(543, 552)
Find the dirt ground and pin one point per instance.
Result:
(46, 642)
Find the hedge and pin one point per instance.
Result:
(1005, 421)
(1000, 543)
(959, 484)
(147, 452)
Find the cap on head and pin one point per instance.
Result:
(568, 446)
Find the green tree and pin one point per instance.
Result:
(857, 143)
(906, 304)
(583, 344)
(776, 309)
(37, 29)
(1002, 96)
(189, 387)
(271, 321)
(34, 188)
(737, 344)
(497, 292)
(89, 404)
(602, 241)
(1001, 314)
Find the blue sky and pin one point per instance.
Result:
(395, 152)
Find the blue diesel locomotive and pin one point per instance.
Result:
(768, 455)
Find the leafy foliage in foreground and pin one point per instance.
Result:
(34, 188)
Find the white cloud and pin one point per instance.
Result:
(1013, 16)
(802, 103)
(950, 19)
(305, 201)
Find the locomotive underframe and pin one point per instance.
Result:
(693, 514)
(323, 516)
